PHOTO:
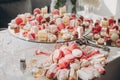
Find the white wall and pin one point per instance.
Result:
(109, 8)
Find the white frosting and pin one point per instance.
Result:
(52, 37)
(86, 23)
(64, 31)
(72, 22)
(103, 33)
(114, 36)
(63, 47)
(75, 66)
(63, 74)
(77, 53)
(97, 36)
(27, 26)
(101, 40)
(34, 29)
(66, 36)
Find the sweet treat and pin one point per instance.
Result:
(62, 65)
(96, 36)
(114, 37)
(105, 32)
(77, 53)
(118, 42)
(42, 36)
(57, 26)
(44, 10)
(62, 10)
(101, 41)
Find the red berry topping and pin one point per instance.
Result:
(111, 22)
(55, 12)
(18, 21)
(33, 35)
(36, 11)
(116, 27)
(61, 26)
(39, 18)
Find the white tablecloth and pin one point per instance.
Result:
(12, 49)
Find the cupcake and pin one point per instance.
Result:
(100, 41)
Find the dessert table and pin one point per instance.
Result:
(13, 49)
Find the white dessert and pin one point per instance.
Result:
(77, 53)
(114, 36)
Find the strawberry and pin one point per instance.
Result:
(25, 33)
(55, 12)
(71, 18)
(36, 11)
(39, 18)
(111, 22)
(79, 20)
(63, 65)
(98, 28)
(116, 27)
(33, 35)
(73, 15)
(81, 17)
(94, 31)
(70, 27)
(18, 20)
(60, 26)
(108, 30)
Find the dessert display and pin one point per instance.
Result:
(105, 32)
(70, 62)
(56, 26)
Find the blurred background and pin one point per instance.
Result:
(9, 9)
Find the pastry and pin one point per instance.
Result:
(42, 36)
(96, 36)
(100, 41)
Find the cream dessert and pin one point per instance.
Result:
(74, 61)
(42, 26)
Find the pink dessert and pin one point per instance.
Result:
(81, 63)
